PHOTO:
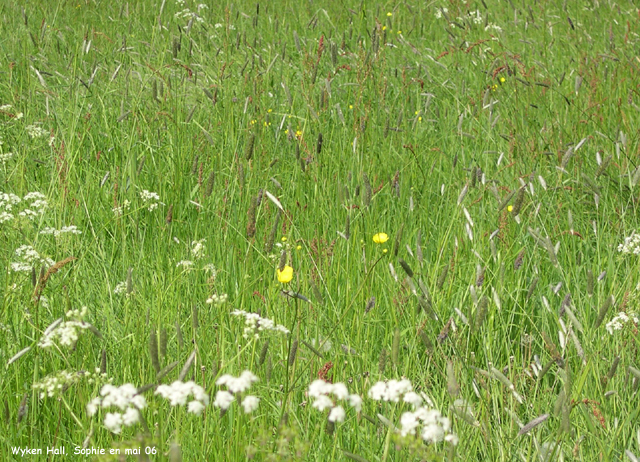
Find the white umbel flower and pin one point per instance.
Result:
(179, 392)
(238, 384)
(250, 404)
(223, 399)
(337, 414)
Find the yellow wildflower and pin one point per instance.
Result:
(286, 275)
(510, 208)
(380, 238)
(502, 79)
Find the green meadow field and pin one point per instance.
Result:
(320, 231)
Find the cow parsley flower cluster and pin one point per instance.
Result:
(326, 394)
(29, 258)
(120, 209)
(59, 232)
(186, 264)
(186, 13)
(620, 320)
(235, 385)
(150, 200)
(36, 208)
(120, 288)
(178, 393)
(125, 398)
(439, 11)
(5, 157)
(255, 323)
(7, 201)
(393, 390)
(55, 384)
(36, 131)
(217, 299)
(431, 424)
(65, 333)
(631, 244)
(198, 248)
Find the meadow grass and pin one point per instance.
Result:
(188, 157)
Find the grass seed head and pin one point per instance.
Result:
(153, 350)
(395, 347)
(293, 352)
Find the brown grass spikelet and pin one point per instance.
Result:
(163, 342)
(251, 217)
(293, 352)
(368, 191)
(424, 338)
(396, 244)
(481, 312)
(283, 260)
(140, 167)
(370, 305)
(532, 287)
(272, 235)
(603, 166)
(169, 218)
(248, 148)
(382, 361)
(194, 166)
(395, 347)
(518, 261)
(103, 361)
(42, 281)
(130, 281)
(517, 204)
(444, 333)
(552, 349)
(480, 276)
(263, 352)
(194, 319)
(319, 144)
(210, 181)
(153, 350)
(612, 371)
(405, 266)
(240, 177)
(313, 350)
(452, 384)
(603, 311)
(443, 277)
(506, 200)
(22, 410)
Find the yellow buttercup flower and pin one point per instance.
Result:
(286, 275)
(380, 238)
(510, 208)
(502, 79)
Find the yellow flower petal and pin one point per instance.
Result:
(286, 275)
(380, 238)
(510, 208)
